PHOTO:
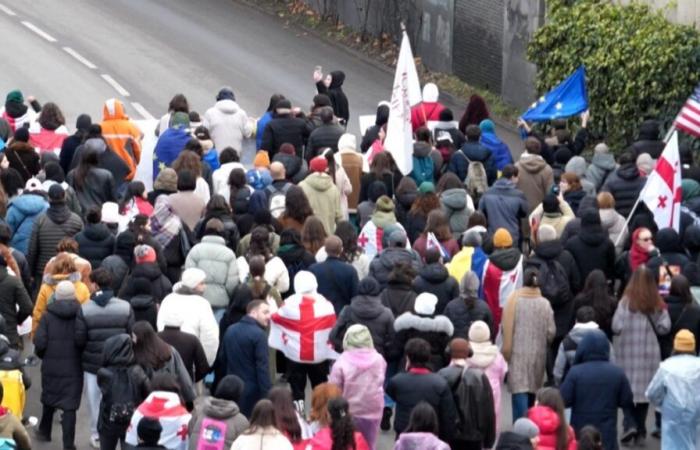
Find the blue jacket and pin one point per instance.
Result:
(499, 150)
(212, 158)
(477, 152)
(245, 354)
(262, 122)
(504, 205)
(168, 147)
(337, 281)
(594, 388)
(21, 213)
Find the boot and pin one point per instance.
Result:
(386, 419)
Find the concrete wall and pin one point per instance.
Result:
(686, 12)
(435, 43)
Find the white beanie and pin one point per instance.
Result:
(347, 141)
(425, 304)
(65, 290)
(479, 332)
(192, 277)
(305, 282)
(546, 233)
(430, 93)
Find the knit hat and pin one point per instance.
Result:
(149, 430)
(526, 427)
(684, 341)
(347, 142)
(577, 165)
(472, 237)
(57, 194)
(180, 120)
(385, 204)
(110, 212)
(32, 184)
(192, 277)
(469, 285)
(601, 149)
(262, 159)
(487, 126)
(550, 204)
(459, 348)
(546, 233)
(225, 93)
(305, 282)
(479, 332)
(645, 163)
(357, 336)
(425, 304)
(590, 217)
(14, 96)
(166, 180)
(426, 187)
(502, 239)
(397, 238)
(230, 388)
(64, 291)
(369, 286)
(318, 164)
(288, 149)
(144, 254)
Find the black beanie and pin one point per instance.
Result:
(22, 134)
(230, 388)
(550, 204)
(369, 286)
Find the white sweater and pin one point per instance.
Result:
(269, 439)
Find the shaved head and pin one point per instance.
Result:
(277, 171)
(334, 246)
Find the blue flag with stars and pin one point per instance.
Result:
(568, 99)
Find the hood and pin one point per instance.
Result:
(549, 250)
(667, 240)
(649, 131)
(218, 408)
(65, 309)
(579, 331)
(406, 199)
(484, 354)
(337, 79)
(97, 231)
(593, 347)
(425, 324)
(628, 172)
(505, 258)
(691, 237)
(577, 165)
(118, 351)
(605, 161)
(593, 235)
(545, 418)
(390, 256)
(532, 163)
(53, 280)
(141, 301)
(382, 115)
(227, 106)
(383, 219)
(609, 218)
(113, 109)
(366, 307)
(421, 149)
(430, 93)
(102, 297)
(320, 182)
(362, 358)
(29, 204)
(434, 273)
(454, 199)
(509, 440)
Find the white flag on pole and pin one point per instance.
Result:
(405, 93)
(662, 192)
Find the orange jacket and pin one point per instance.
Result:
(122, 135)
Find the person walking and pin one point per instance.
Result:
(504, 204)
(121, 135)
(323, 195)
(227, 122)
(15, 304)
(338, 280)
(218, 413)
(262, 432)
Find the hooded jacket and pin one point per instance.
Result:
(285, 129)
(475, 152)
(218, 409)
(335, 92)
(423, 165)
(602, 165)
(359, 372)
(437, 330)
(169, 145)
(15, 305)
(624, 184)
(49, 228)
(95, 243)
(649, 140)
(324, 199)
(592, 249)
(504, 205)
(594, 388)
(499, 149)
(567, 349)
(614, 224)
(98, 188)
(160, 284)
(382, 264)
(457, 206)
(324, 136)
(122, 135)
(671, 252)
(435, 279)
(535, 177)
(228, 124)
(47, 289)
(22, 211)
(219, 263)
(24, 159)
(429, 109)
(547, 420)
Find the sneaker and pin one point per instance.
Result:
(41, 437)
(95, 441)
(628, 436)
(386, 419)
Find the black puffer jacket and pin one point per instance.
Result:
(436, 330)
(15, 305)
(671, 252)
(57, 344)
(592, 249)
(24, 159)
(284, 129)
(327, 135)
(98, 187)
(100, 318)
(96, 242)
(125, 243)
(683, 316)
(435, 279)
(382, 264)
(295, 168)
(462, 313)
(160, 284)
(649, 140)
(624, 184)
(49, 228)
(403, 204)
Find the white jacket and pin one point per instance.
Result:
(193, 314)
(268, 439)
(276, 273)
(220, 178)
(228, 124)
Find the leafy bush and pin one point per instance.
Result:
(638, 64)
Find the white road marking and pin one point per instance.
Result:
(143, 111)
(117, 87)
(83, 60)
(7, 10)
(39, 31)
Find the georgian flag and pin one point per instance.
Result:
(44, 140)
(662, 192)
(173, 417)
(370, 239)
(300, 329)
(498, 284)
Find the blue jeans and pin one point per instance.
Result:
(521, 402)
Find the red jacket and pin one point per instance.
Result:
(548, 422)
(425, 112)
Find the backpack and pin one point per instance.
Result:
(212, 434)
(477, 181)
(120, 398)
(14, 398)
(470, 420)
(277, 199)
(554, 282)
(422, 169)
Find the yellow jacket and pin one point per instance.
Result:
(82, 294)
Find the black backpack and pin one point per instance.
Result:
(554, 282)
(120, 400)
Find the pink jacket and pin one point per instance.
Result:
(423, 441)
(360, 374)
(323, 440)
(487, 358)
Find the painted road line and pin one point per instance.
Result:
(143, 111)
(117, 87)
(7, 10)
(83, 60)
(39, 31)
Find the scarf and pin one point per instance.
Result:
(165, 225)
(638, 255)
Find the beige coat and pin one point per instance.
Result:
(535, 178)
(352, 163)
(188, 206)
(324, 198)
(557, 221)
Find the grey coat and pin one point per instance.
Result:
(219, 263)
(46, 234)
(637, 346)
(454, 204)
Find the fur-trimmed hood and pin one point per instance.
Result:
(436, 324)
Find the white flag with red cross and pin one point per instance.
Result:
(662, 192)
(166, 408)
(301, 327)
(370, 239)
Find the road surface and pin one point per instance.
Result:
(77, 53)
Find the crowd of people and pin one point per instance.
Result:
(190, 316)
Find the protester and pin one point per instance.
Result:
(535, 176)
(227, 122)
(502, 273)
(338, 280)
(262, 432)
(22, 211)
(217, 420)
(434, 278)
(504, 204)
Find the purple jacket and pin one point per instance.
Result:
(360, 374)
(423, 441)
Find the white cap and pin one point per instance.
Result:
(192, 277)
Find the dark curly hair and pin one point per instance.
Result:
(296, 205)
(342, 428)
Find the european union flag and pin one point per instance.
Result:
(568, 99)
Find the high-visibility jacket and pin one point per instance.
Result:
(122, 135)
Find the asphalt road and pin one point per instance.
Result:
(78, 53)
